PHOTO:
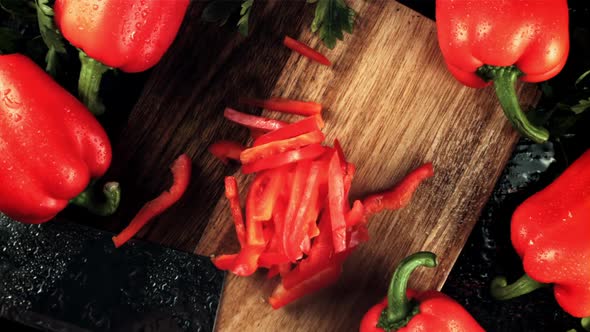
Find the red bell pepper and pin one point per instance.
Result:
(406, 310)
(551, 233)
(306, 51)
(252, 121)
(400, 195)
(181, 173)
(225, 150)
(51, 146)
(129, 35)
(307, 125)
(276, 147)
(500, 41)
(309, 152)
(306, 108)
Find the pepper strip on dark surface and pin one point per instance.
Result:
(406, 310)
(51, 147)
(501, 41)
(550, 231)
(181, 173)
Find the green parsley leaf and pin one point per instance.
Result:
(581, 106)
(245, 17)
(332, 19)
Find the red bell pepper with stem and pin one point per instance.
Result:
(128, 35)
(181, 173)
(551, 233)
(501, 41)
(405, 310)
(51, 147)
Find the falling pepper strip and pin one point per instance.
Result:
(181, 173)
(252, 121)
(306, 51)
(283, 105)
(225, 150)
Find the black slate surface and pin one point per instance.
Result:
(67, 277)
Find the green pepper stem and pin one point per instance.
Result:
(502, 291)
(398, 306)
(89, 83)
(51, 62)
(504, 79)
(586, 323)
(102, 207)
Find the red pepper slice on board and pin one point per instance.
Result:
(272, 148)
(309, 152)
(283, 105)
(233, 196)
(326, 277)
(252, 121)
(225, 150)
(264, 193)
(246, 262)
(296, 229)
(500, 41)
(307, 125)
(181, 173)
(356, 215)
(295, 197)
(306, 51)
(401, 194)
(224, 262)
(337, 201)
(254, 229)
(430, 310)
(268, 259)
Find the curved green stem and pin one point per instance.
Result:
(504, 79)
(51, 62)
(89, 83)
(502, 291)
(104, 206)
(399, 310)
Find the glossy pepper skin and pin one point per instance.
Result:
(50, 145)
(495, 41)
(551, 233)
(129, 35)
(406, 310)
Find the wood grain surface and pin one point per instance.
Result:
(388, 98)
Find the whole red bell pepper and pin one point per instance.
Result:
(551, 233)
(128, 35)
(406, 310)
(50, 146)
(500, 41)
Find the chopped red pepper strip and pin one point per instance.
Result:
(264, 193)
(337, 201)
(358, 235)
(264, 151)
(253, 121)
(181, 173)
(295, 197)
(224, 262)
(284, 105)
(256, 133)
(307, 125)
(306, 51)
(246, 262)
(356, 215)
(401, 194)
(296, 229)
(327, 276)
(269, 259)
(254, 229)
(233, 196)
(225, 150)
(309, 152)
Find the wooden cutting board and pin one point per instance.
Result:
(388, 98)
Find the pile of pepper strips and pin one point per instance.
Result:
(298, 222)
